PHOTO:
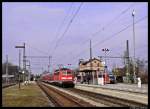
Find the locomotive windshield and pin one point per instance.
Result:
(66, 72)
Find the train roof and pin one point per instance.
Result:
(62, 69)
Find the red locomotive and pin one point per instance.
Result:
(61, 77)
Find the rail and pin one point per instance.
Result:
(62, 99)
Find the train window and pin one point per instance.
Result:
(68, 73)
(64, 72)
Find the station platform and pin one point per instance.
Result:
(121, 87)
(27, 96)
(125, 91)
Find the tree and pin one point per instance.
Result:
(142, 70)
(12, 70)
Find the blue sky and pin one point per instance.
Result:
(38, 25)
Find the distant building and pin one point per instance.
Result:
(93, 64)
(12, 74)
(90, 70)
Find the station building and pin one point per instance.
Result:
(90, 70)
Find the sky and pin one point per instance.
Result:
(47, 30)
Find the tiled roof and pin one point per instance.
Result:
(85, 62)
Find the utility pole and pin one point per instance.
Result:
(49, 63)
(91, 60)
(19, 66)
(127, 58)
(133, 14)
(6, 69)
(19, 59)
(24, 62)
(29, 73)
(90, 49)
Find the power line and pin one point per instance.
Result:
(62, 23)
(70, 22)
(123, 12)
(37, 56)
(67, 26)
(37, 49)
(114, 35)
(107, 25)
(119, 31)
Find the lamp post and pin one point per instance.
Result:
(50, 57)
(24, 68)
(134, 76)
(29, 74)
(19, 66)
(6, 69)
(23, 74)
(105, 50)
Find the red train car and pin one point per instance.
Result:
(46, 77)
(61, 77)
(106, 78)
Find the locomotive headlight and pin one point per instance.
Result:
(69, 78)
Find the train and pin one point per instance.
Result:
(62, 77)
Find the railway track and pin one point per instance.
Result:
(61, 99)
(107, 100)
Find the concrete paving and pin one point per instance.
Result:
(123, 87)
(139, 97)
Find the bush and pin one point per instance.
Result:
(144, 79)
(119, 79)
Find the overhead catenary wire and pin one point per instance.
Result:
(62, 23)
(69, 24)
(117, 17)
(115, 34)
(56, 34)
(38, 50)
(107, 25)
(33, 57)
(112, 36)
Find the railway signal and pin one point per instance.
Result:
(105, 50)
